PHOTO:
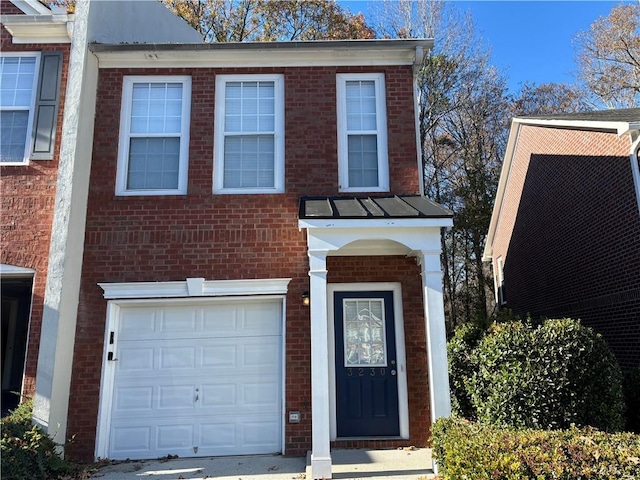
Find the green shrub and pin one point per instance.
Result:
(466, 450)
(461, 368)
(631, 388)
(554, 375)
(27, 452)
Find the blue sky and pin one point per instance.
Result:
(530, 40)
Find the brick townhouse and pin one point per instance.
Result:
(564, 238)
(244, 260)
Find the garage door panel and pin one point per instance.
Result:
(133, 399)
(176, 397)
(135, 359)
(220, 395)
(129, 440)
(179, 319)
(175, 437)
(219, 356)
(197, 380)
(177, 358)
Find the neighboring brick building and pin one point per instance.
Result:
(218, 187)
(564, 238)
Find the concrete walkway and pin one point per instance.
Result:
(401, 464)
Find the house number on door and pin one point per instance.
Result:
(361, 372)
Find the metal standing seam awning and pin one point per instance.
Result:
(396, 206)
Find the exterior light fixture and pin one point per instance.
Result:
(306, 299)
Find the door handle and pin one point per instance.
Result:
(393, 372)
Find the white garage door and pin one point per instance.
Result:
(197, 380)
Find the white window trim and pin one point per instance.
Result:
(218, 161)
(32, 106)
(381, 127)
(125, 125)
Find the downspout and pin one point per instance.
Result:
(635, 165)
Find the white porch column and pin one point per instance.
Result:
(439, 393)
(320, 452)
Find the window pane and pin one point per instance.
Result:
(153, 164)
(363, 161)
(249, 107)
(156, 108)
(13, 135)
(364, 333)
(16, 81)
(249, 161)
(361, 105)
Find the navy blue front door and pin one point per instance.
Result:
(366, 365)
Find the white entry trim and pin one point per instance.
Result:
(108, 372)
(195, 287)
(403, 397)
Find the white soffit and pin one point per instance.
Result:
(195, 287)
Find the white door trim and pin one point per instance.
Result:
(403, 397)
(108, 371)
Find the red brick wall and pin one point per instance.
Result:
(162, 238)
(574, 250)
(27, 196)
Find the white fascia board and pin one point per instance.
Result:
(376, 223)
(620, 127)
(311, 56)
(38, 28)
(195, 287)
(487, 255)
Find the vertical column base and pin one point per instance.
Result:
(320, 467)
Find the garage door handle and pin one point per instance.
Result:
(197, 398)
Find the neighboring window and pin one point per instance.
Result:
(362, 133)
(502, 298)
(249, 138)
(29, 94)
(154, 136)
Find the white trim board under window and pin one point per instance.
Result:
(363, 164)
(249, 134)
(18, 84)
(154, 135)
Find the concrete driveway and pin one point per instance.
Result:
(401, 464)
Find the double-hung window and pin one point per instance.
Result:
(362, 133)
(29, 91)
(154, 136)
(249, 135)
